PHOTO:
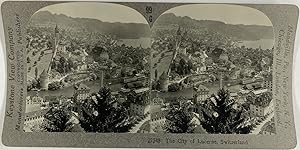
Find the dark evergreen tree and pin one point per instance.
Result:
(57, 120)
(99, 115)
(221, 117)
(178, 120)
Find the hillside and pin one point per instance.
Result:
(137, 30)
(240, 32)
(121, 30)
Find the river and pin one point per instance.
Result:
(69, 91)
(188, 92)
(145, 42)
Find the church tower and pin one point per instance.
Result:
(221, 81)
(44, 80)
(164, 82)
(55, 46)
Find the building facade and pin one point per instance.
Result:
(81, 92)
(201, 93)
(34, 119)
(157, 121)
(44, 80)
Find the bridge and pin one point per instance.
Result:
(71, 74)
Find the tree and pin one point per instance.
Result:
(221, 117)
(179, 120)
(99, 115)
(28, 60)
(62, 61)
(175, 87)
(156, 74)
(57, 120)
(54, 86)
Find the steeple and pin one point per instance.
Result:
(44, 79)
(56, 39)
(56, 29)
(221, 80)
(179, 31)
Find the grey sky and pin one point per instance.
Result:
(230, 14)
(103, 11)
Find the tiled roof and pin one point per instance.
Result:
(201, 88)
(36, 113)
(141, 90)
(257, 92)
(82, 86)
(145, 126)
(159, 114)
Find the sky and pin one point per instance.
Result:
(103, 11)
(230, 14)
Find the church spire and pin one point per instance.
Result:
(56, 29)
(179, 31)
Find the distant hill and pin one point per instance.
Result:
(137, 30)
(121, 30)
(241, 32)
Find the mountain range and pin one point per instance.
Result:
(240, 31)
(137, 30)
(120, 30)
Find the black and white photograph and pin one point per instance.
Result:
(150, 74)
(88, 69)
(211, 71)
(195, 71)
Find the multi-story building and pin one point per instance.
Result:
(262, 105)
(81, 92)
(34, 118)
(140, 105)
(267, 83)
(36, 99)
(201, 93)
(34, 103)
(164, 82)
(44, 80)
(268, 129)
(156, 104)
(157, 121)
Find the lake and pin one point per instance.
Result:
(145, 42)
(263, 43)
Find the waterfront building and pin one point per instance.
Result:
(81, 92)
(140, 106)
(201, 93)
(33, 103)
(34, 119)
(164, 82)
